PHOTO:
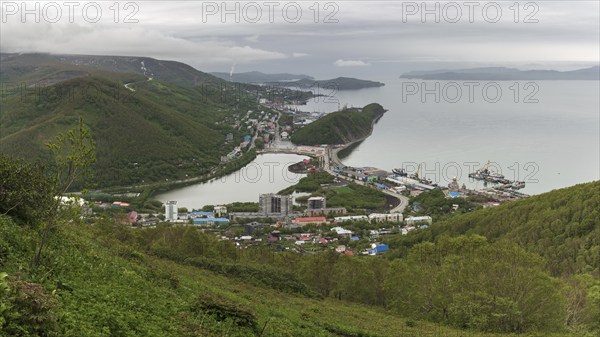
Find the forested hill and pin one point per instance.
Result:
(160, 131)
(340, 127)
(151, 120)
(562, 226)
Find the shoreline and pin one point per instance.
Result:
(334, 155)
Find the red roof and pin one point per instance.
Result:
(311, 219)
(348, 253)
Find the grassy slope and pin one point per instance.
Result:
(109, 289)
(339, 127)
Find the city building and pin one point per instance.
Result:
(220, 211)
(341, 231)
(210, 221)
(351, 218)
(201, 214)
(418, 220)
(316, 203)
(171, 210)
(325, 211)
(274, 204)
(251, 227)
(310, 220)
(383, 217)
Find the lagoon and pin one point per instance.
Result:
(268, 173)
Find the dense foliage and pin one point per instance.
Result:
(562, 226)
(339, 127)
(470, 283)
(25, 191)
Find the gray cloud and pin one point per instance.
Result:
(370, 32)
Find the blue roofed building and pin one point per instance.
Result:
(381, 248)
(210, 221)
(201, 214)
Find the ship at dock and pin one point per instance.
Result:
(487, 175)
(400, 172)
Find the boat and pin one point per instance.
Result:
(517, 185)
(401, 172)
(416, 176)
(487, 175)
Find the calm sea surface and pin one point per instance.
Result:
(546, 133)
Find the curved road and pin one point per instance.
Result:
(331, 157)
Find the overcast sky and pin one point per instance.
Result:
(354, 38)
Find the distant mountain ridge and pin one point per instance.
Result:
(15, 65)
(505, 74)
(339, 83)
(259, 77)
(298, 80)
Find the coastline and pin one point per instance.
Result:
(334, 156)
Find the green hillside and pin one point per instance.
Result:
(559, 230)
(562, 226)
(339, 127)
(161, 130)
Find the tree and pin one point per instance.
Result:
(74, 153)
